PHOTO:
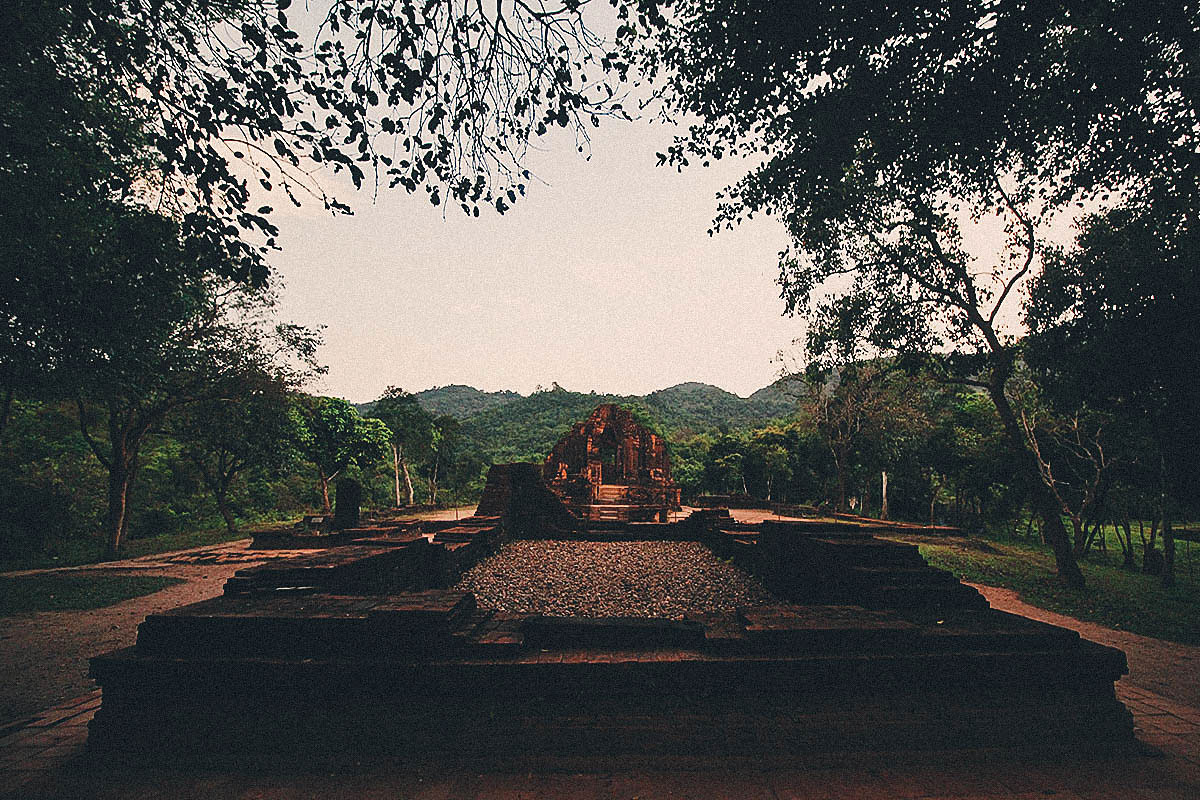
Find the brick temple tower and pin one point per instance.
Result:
(611, 468)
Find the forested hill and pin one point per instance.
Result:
(701, 406)
(461, 401)
(525, 428)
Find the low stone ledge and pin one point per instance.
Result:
(606, 633)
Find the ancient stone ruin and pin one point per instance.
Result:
(841, 641)
(611, 468)
(367, 651)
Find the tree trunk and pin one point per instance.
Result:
(883, 504)
(841, 486)
(6, 408)
(1168, 535)
(1044, 503)
(118, 495)
(408, 487)
(226, 512)
(433, 475)
(123, 439)
(1055, 534)
(326, 506)
(129, 481)
(1127, 543)
(1079, 535)
(1168, 564)
(396, 471)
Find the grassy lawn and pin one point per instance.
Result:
(1114, 597)
(77, 553)
(58, 592)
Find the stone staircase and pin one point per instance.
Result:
(609, 493)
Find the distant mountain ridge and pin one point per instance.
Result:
(689, 403)
(507, 426)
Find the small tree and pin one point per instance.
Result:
(724, 464)
(226, 437)
(444, 447)
(1074, 463)
(766, 458)
(331, 435)
(411, 428)
(865, 412)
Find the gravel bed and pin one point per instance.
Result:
(610, 579)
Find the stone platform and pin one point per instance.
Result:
(429, 677)
(362, 652)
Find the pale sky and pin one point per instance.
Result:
(603, 277)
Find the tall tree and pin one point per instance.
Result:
(150, 331)
(863, 411)
(238, 99)
(202, 111)
(1114, 335)
(724, 464)
(411, 428)
(767, 456)
(882, 130)
(71, 153)
(332, 435)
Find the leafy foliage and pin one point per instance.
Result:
(526, 428)
(331, 435)
(147, 329)
(1113, 330)
(700, 406)
(226, 437)
(883, 132)
(232, 100)
(1105, 317)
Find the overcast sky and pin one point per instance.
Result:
(603, 277)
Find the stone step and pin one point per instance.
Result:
(397, 566)
(818, 629)
(673, 702)
(937, 597)
(311, 626)
(606, 633)
(868, 552)
(867, 577)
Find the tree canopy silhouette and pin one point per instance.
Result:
(880, 131)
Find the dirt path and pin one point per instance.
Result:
(45, 653)
(1169, 669)
(460, 512)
